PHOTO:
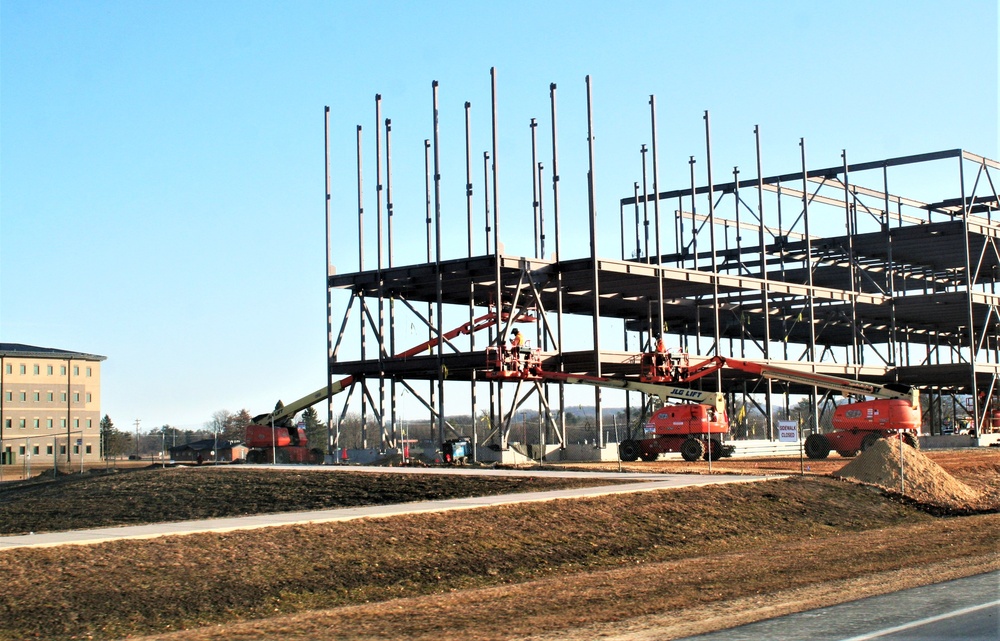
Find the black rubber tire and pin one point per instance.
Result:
(848, 453)
(712, 452)
(649, 457)
(817, 446)
(692, 450)
(869, 440)
(255, 456)
(912, 440)
(629, 450)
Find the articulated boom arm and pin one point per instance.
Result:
(290, 410)
(846, 385)
(712, 399)
(278, 416)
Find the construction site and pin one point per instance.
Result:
(825, 273)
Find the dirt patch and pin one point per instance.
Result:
(912, 474)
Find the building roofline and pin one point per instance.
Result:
(31, 351)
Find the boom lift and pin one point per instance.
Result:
(273, 437)
(894, 412)
(694, 429)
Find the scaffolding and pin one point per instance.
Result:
(828, 270)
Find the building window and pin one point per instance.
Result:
(88, 397)
(48, 423)
(89, 423)
(48, 370)
(10, 396)
(62, 422)
(62, 370)
(76, 370)
(76, 397)
(48, 449)
(24, 396)
(88, 449)
(37, 397)
(35, 449)
(76, 422)
(22, 450)
(9, 421)
(35, 370)
(76, 449)
(62, 397)
(35, 422)
(20, 423)
(88, 371)
(23, 370)
(50, 397)
(9, 369)
(62, 449)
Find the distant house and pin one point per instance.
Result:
(189, 452)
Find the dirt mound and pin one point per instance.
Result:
(922, 479)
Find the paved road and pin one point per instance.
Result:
(644, 483)
(964, 609)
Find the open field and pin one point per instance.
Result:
(651, 565)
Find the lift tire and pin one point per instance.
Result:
(649, 457)
(817, 446)
(713, 452)
(629, 450)
(692, 450)
(912, 440)
(255, 456)
(848, 453)
(870, 439)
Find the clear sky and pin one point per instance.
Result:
(161, 162)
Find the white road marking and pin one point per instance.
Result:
(917, 624)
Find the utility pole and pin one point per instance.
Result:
(137, 439)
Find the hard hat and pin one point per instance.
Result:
(515, 332)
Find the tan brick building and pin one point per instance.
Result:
(50, 405)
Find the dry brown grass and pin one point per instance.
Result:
(645, 564)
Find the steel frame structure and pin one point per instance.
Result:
(895, 289)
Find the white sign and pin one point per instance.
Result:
(788, 431)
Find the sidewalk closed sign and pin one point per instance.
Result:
(788, 431)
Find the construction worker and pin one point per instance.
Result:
(516, 347)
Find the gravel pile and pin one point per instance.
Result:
(923, 479)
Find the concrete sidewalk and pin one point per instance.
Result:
(646, 483)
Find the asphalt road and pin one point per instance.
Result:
(964, 609)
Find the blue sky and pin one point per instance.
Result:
(161, 163)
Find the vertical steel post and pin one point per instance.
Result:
(472, 285)
(393, 400)
(765, 287)
(533, 126)
(715, 266)
(361, 268)
(852, 270)
(595, 271)
(559, 288)
(437, 263)
(498, 294)
(645, 201)
(981, 422)
(326, 284)
(656, 216)
(380, 276)
(430, 307)
(809, 272)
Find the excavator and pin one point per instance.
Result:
(273, 437)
